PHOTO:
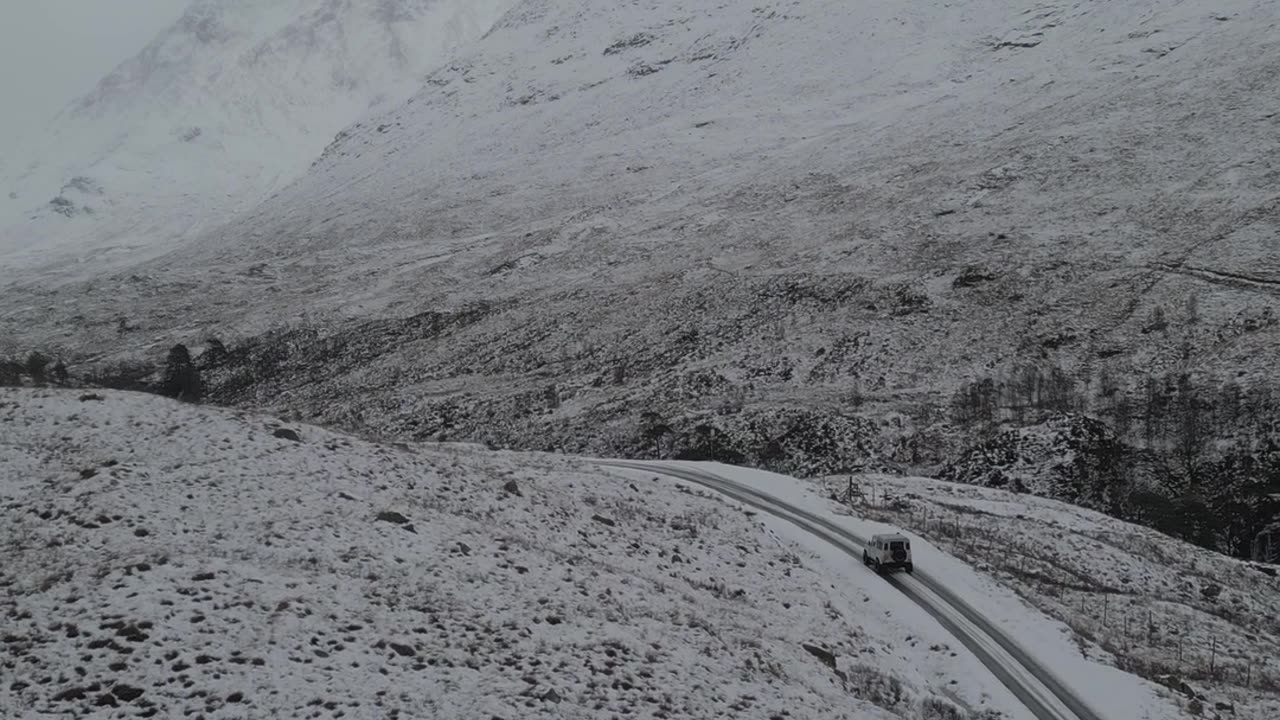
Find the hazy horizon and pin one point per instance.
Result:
(54, 51)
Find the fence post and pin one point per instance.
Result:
(1213, 656)
(1105, 597)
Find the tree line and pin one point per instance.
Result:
(178, 377)
(1191, 456)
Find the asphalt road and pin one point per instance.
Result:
(1037, 688)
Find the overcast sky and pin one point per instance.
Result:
(53, 51)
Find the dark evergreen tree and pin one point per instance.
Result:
(708, 442)
(181, 377)
(59, 372)
(37, 366)
(1153, 510)
(653, 428)
(10, 373)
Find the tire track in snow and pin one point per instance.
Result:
(1241, 281)
(1038, 689)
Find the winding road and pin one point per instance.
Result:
(1038, 689)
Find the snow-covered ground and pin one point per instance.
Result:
(160, 559)
(1131, 597)
(592, 210)
(1109, 690)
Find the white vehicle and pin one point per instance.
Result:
(888, 552)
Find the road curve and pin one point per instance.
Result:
(1037, 688)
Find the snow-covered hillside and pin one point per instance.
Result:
(681, 206)
(783, 233)
(1204, 625)
(226, 106)
(160, 559)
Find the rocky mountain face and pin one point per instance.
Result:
(793, 233)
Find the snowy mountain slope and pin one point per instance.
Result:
(679, 206)
(1095, 598)
(162, 559)
(1038, 684)
(224, 107)
(1186, 617)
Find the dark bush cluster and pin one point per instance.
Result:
(1193, 458)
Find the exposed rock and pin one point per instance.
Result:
(392, 516)
(287, 434)
(127, 693)
(635, 41)
(1211, 591)
(511, 488)
(132, 633)
(1176, 683)
(971, 276)
(403, 650)
(827, 657)
(604, 520)
(73, 693)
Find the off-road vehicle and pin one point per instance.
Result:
(888, 552)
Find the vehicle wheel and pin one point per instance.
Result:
(865, 560)
(910, 568)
